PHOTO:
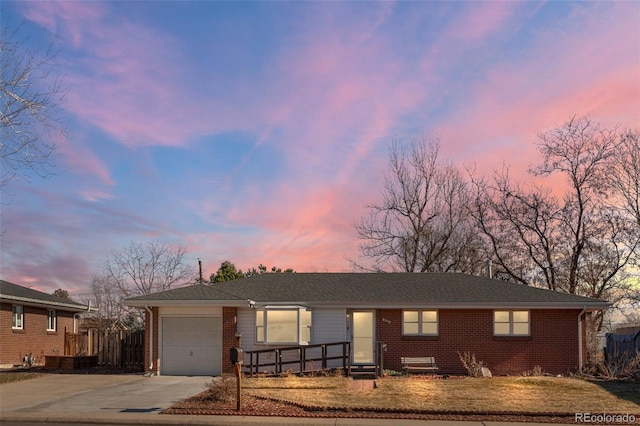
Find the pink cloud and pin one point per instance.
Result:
(594, 72)
(56, 17)
(330, 102)
(480, 20)
(130, 79)
(356, 93)
(82, 160)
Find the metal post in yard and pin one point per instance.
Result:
(238, 369)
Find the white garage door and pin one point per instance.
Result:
(191, 346)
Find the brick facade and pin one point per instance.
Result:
(552, 344)
(229, 328)
(34, 337)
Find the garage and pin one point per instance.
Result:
(191, 346)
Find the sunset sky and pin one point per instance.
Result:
(257, 132)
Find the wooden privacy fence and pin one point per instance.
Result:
(75, 344)
(114, 348)
(622, 347)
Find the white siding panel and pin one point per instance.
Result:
(246, 326)
(329, 326)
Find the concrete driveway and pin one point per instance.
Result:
(97, 394)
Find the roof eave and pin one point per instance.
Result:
(43, 303)
(591, 306)
(161, 303)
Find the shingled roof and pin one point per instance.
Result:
(16, 293)
(368, 289)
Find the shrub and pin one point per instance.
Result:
(471, 364)
(287, 373)
(534, 372)
(222, 389)
(623, 366)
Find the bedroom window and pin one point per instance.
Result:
(52, 320)
(289, 325)
(420, 323)
(511, 323)
(17, 317)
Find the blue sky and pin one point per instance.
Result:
(258, 131)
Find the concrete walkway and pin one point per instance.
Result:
(137, 400)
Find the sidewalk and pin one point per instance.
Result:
(202, 420)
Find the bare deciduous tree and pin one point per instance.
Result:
(625, 181)
(423, 223)
(143, 268)
(106, 298)
(578, 243)
(516, 222)
(31, 98)
(625, 175)
(136, 269)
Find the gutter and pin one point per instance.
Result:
(39, 302)
(371, 304)
(580, 351)
(150, 336)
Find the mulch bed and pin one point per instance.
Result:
(92, 370)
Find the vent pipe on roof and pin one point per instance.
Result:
(489, 271)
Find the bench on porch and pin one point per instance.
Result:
(421, 363)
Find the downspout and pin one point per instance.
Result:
(580, 362)
(76, 318)
(150, 336)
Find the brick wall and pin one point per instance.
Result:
(229, 328)
(34, 337)
(553, 343)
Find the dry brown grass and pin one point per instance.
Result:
(16, 376)
(513, 394)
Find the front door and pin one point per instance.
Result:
(363, 337)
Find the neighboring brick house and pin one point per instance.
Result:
(33, 322)
(511, 327)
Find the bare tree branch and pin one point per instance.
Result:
(582, 243)
(625, 175)
(423, 223)
(31, 98)
(143, 268)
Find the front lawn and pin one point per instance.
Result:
(498, 394)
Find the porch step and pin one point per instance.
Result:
(363, 372)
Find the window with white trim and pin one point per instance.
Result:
(17, 317)
(286, 325)
(52, 320)
(420, 322)
(511, 323)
